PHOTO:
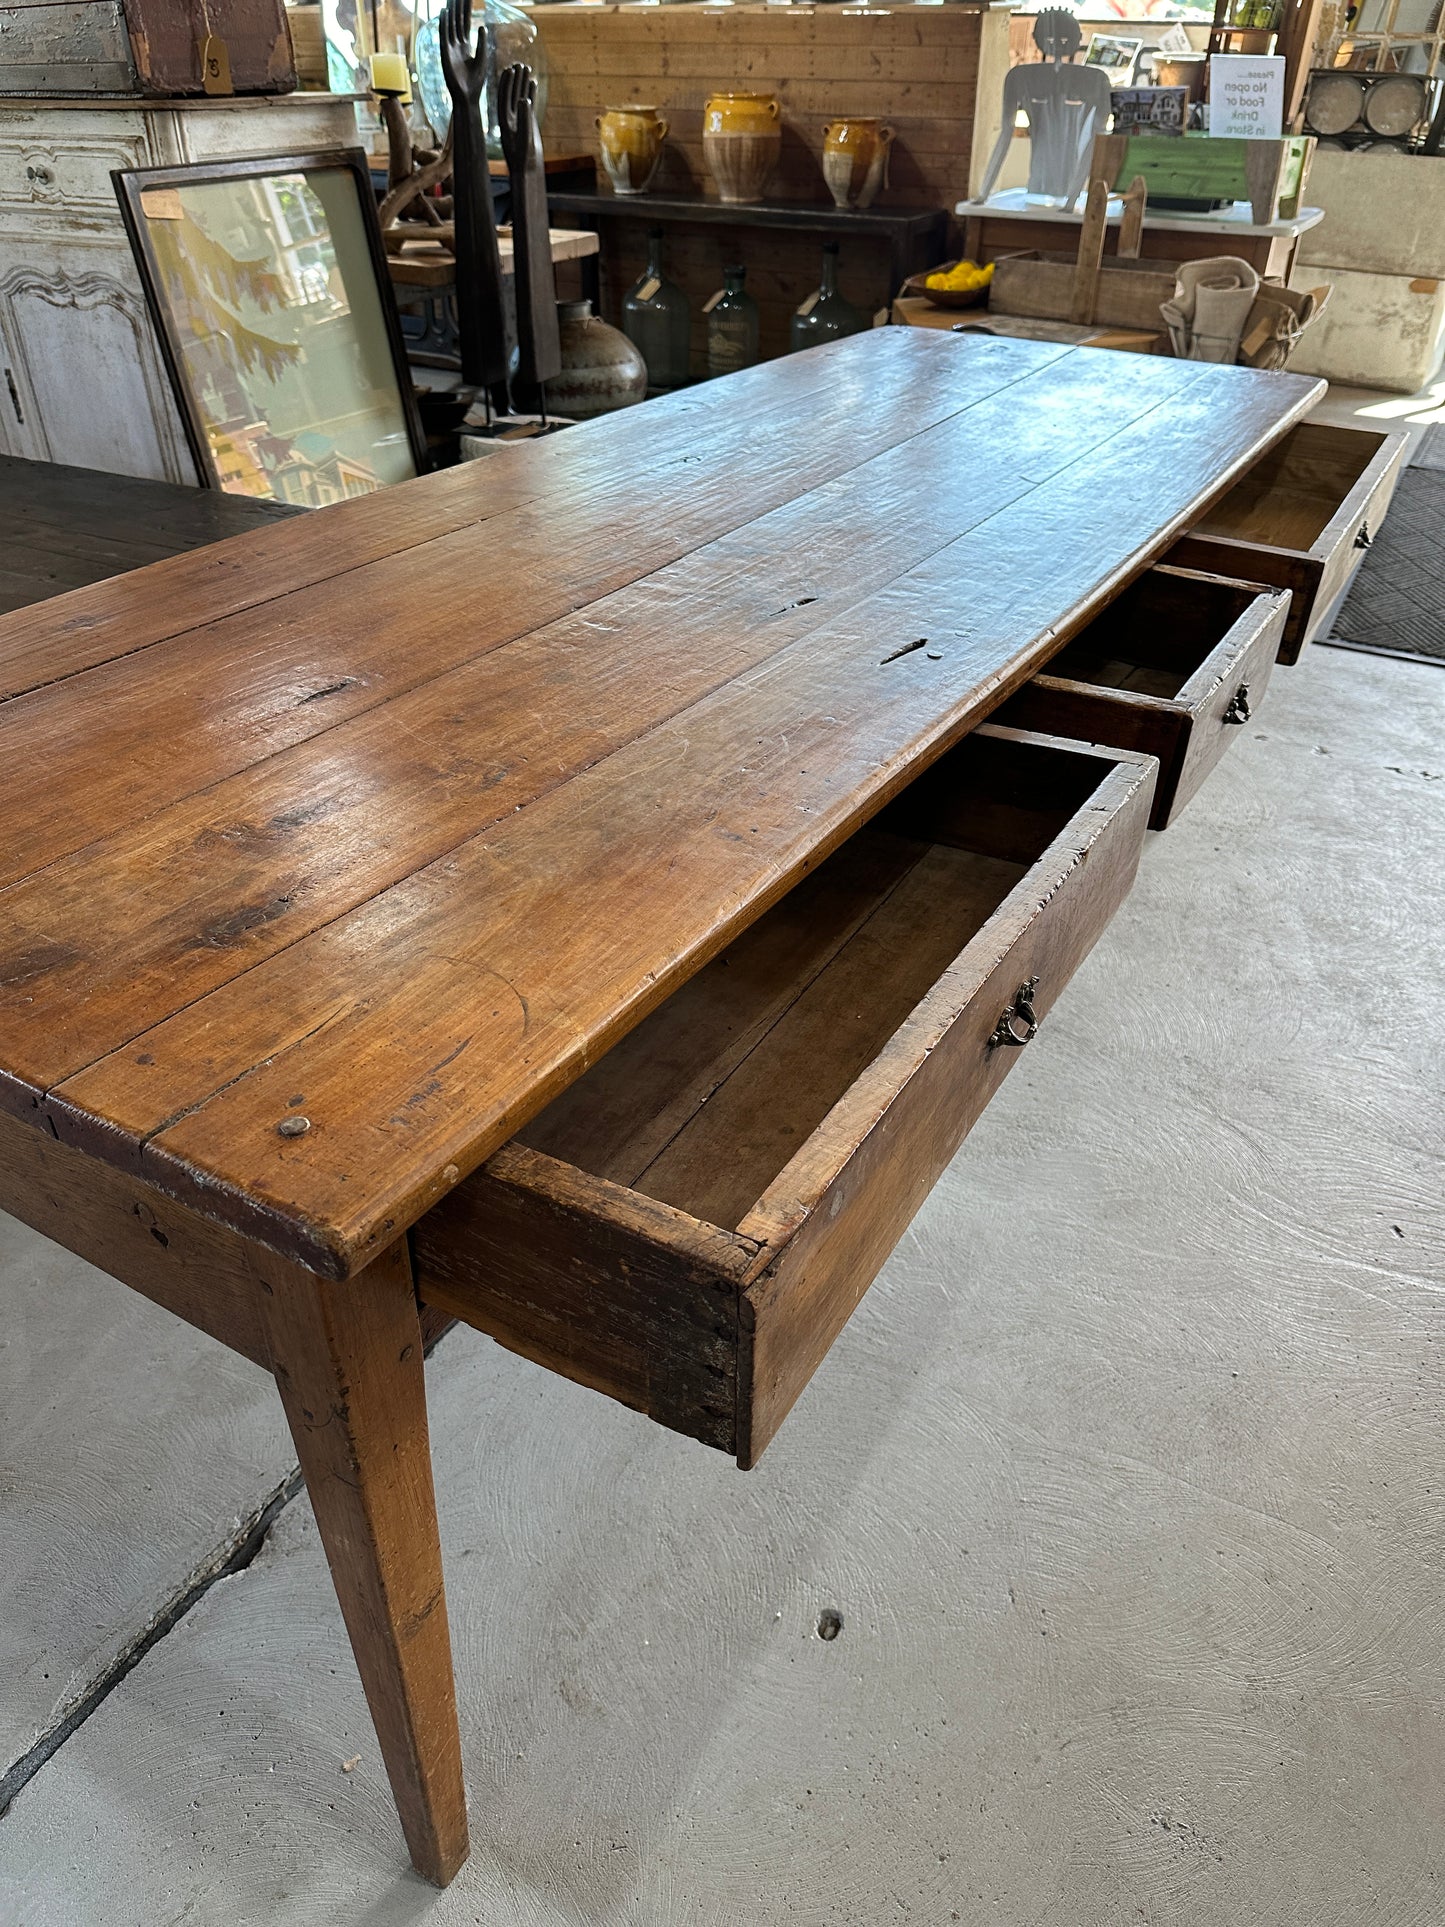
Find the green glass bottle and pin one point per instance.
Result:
(732, 326)
(655, 319)
(825, 315)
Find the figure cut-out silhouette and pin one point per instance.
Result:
(1065, 105)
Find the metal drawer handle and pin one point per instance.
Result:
(1364, 539)
(1238, 710)
(1018, 1023)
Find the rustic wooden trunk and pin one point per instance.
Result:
(150, 47)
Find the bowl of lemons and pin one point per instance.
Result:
(957, 284)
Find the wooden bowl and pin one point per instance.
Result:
(945, 297)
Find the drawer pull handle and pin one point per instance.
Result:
(42, 176)
(1018, 1023)
(1364, 539)
(1239, 710)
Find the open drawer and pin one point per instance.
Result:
(1300, 520)
(689, 1226)
(1169, 668)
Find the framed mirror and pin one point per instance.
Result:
(267, 284)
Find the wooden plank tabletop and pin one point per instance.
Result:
(392, 818)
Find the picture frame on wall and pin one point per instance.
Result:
(266, 281)
(1117, 54)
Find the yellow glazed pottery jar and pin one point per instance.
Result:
(630, 142)
(742, 136)
(855, 159)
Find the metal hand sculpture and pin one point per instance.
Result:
(538, 340)
(1066, 107)
(481, 316)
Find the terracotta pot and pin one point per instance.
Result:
(601, 370)
(855, 159)
(742, 137)
(630, 142)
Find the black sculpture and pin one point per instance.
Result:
(538, 341)
(481, 316)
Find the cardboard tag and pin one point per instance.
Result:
(811, 302)
(711, 303)
(161, 203)
(649, 288)
(215, 65)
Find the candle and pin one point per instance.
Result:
(389, 75)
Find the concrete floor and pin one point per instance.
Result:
(1125, 1480)
(1384, 410)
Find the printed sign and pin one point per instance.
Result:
(1246, 96)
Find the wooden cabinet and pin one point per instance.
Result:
(81, 379)
(690, 1226)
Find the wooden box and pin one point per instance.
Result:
(1041, 285)
(1198, 171)
(149, 47)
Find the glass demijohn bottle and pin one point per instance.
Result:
(732, 326)
(655, 319)
(825, 315)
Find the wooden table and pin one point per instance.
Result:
(1008, 222)
(420, 263)
(347, 845)
(423, 275)
(66, 527)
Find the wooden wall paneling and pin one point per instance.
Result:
(916, 66)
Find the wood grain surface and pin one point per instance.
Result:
(394, 829)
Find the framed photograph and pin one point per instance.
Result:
(1115, 54)
(267, 284)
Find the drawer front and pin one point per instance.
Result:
(715, 1330)
(45, 173)
(1316, 569)
(1188, 732)
(1348, 539)
(833, 1218)
(610, 1289)
(1225, 694)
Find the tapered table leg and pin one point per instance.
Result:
(348, 1361)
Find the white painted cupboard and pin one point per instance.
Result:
(81, 375)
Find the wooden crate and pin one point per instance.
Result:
(147, 47)
(1040, 284)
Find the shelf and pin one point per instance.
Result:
(803, 217)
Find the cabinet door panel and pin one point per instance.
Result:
(87, 375)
